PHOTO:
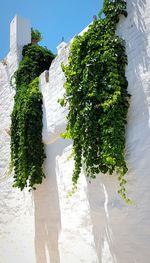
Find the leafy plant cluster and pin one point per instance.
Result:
(27, 150)
(97, 97)
(35, 35)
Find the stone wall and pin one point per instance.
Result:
(94, 225)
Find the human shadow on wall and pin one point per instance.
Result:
(102, 207)
(47, 210)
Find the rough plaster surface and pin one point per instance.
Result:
(93, 226)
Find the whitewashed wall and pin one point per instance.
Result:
(93, 226)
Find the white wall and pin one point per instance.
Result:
(16, 208)
(20, 32)
(94, 226)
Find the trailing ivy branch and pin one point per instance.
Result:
(27, 149)
(97, 97)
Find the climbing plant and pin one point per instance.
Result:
(27, 151)
(97, 97)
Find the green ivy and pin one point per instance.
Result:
(97, 97)
(27, 149)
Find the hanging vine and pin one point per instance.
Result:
(97, 97)
(27, 150)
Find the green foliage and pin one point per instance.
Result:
(36, 35)
(97, 97)
(27, 150)
(35, 60)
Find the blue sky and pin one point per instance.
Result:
(53, 18)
